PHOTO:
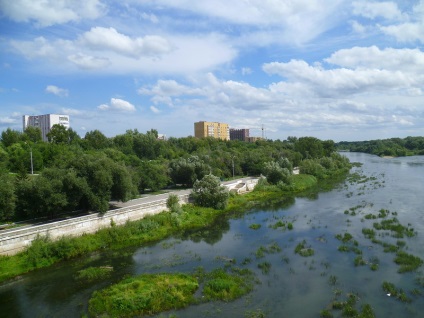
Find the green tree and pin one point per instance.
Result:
(96, 140)
(309, 147)
(186, 171)
(7, 197)
(208, 192)
(151, 175)
(274, 173)
(10, 137)
(33, 134)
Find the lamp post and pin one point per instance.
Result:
(30, 153)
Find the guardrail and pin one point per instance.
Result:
(15, 240)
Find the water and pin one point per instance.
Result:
(295, 286)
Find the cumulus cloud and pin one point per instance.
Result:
(99, 38)
(49, 12)
(61, 92)
(117, 104)
(373, 10)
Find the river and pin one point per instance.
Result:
(293, 286)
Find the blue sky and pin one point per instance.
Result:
(333, 69)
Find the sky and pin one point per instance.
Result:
(331, 69)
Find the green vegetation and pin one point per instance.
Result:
(392, 291)
(395, 147)
(85, 174)
(91, 274)
(303, 250)
(407, 262)
(348, 308)
(149, 294)
(255, 226)
(208, 192)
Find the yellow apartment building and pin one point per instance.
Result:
(204, 129)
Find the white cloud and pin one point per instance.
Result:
(117, 56)
(99, 38)
(49, 12)
(61, 92)
(117, 104)
(155, 109)
(405, 32)
(73, 112)
(88, 62)
(373, 10)
(402, 60)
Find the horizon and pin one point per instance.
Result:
(331, 69)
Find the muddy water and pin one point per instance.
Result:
(294, 286)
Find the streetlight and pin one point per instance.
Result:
(30, 152)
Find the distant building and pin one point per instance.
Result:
(45, 122)
(254, 139)
(239, 134)
(204, 129)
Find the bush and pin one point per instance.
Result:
(208, 192)
(173, 204)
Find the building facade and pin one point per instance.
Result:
(45, 122)
(239, 134)
(204, 129)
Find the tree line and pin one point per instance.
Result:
(71, 173)
(396, 147)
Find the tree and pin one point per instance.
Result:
(7, 197)
(33, 134)
(208, 192)
(309, 147)
(186, 171)
(10, 137)
(96, 140)
(151, 175)
(274, 173)
(59, 134)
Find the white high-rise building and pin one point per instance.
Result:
(45, 122)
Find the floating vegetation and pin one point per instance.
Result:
(348, 308)
(391, 291)
(92, 274)
(359, 261)
(407, 262)
(270, 249)
(303, 250)
(148, 294)
(394, 226)
(255, 226)
(282, 225)
(265, 267)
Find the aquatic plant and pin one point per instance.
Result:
(91, 274)
(303, 250)
(407, 262)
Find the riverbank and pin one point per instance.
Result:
(44, 252)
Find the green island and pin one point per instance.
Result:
(148, 294)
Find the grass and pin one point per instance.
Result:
(255, 226)
(407, 262)
(303, 250)
(392, 291)
(149, 294)
(92, 274)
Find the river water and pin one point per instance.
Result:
(294, 286)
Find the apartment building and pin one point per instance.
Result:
(45, 122)
(204, 129)
(239, 134)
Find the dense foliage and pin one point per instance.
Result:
(395, 147)
(70, 173)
